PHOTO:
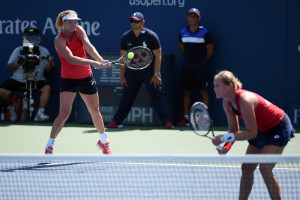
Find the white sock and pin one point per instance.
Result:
(186, 116)
(50, 142)
(103, 138)
(41, 110)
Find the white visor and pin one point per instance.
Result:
(70, 17)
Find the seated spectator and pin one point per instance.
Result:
(28, 63)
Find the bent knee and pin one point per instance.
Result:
(64, 115)
(94, 110)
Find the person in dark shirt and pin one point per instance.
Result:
(196, 46)
(132, 80)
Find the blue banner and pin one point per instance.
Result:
(257, 40)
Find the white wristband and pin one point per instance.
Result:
(228, 137)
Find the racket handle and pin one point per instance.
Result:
(219, 147)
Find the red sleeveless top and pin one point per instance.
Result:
(267, 114)
(72, 71)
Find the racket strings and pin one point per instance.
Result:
(200, 120)
(142, 57)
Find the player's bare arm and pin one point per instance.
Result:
(248, 102)
(64, 51)
(232, 118)
(90, 49)
(233, 123)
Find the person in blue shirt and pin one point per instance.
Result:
(196, 46)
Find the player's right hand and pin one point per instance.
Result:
(105, 64)
(216, 141)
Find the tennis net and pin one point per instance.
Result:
(140, 177)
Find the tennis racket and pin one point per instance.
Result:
(142, 58)
(201, 122)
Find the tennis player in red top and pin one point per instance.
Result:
(76, 75)
(267, 129)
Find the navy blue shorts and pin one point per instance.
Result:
(85, 85)
(194, 75)
(277, 136)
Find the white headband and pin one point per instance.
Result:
(70, 17)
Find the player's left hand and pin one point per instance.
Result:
(156, 81)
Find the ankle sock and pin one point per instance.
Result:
(103, 138)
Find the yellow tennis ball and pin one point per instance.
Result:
(130, 55)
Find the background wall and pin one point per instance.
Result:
(257, 40)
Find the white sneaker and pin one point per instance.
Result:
(12, 113)
(41, 117)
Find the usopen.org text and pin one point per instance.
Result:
(179, 3)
